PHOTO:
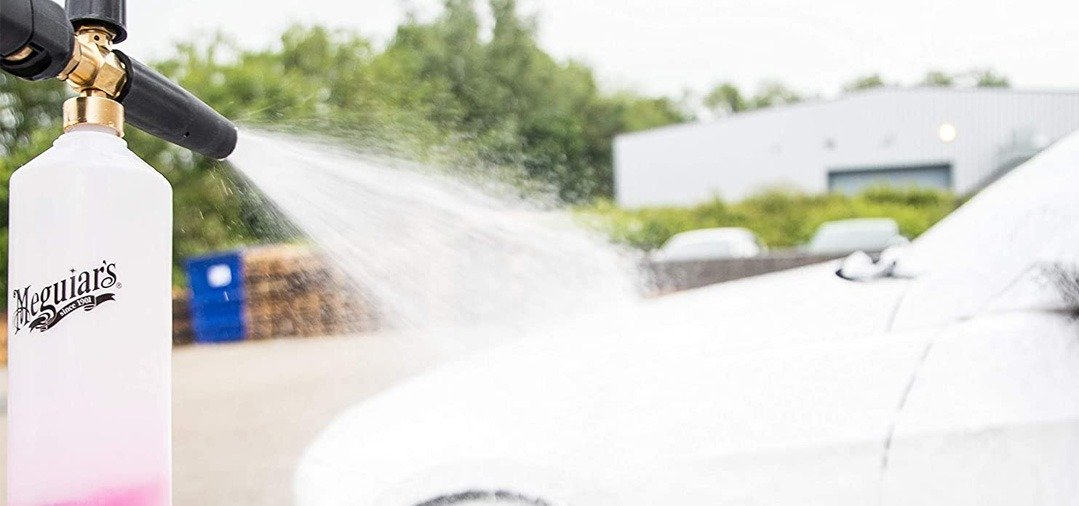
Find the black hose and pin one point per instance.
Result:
(41, 29)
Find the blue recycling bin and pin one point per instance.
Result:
(217, 297)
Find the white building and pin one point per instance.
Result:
(958, 139)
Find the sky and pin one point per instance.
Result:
(664, 47)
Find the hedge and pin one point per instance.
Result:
(781, 218)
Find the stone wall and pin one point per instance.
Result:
(675, 276)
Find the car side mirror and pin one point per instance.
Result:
(859, 266)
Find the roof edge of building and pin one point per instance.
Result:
(861, 94)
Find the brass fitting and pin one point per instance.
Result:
(94, 110)
(98, 76)
(20, 55)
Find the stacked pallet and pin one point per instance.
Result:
(182, 330)
(292, 291)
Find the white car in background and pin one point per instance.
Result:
(949, 377)
(859, 234)
(710, 244)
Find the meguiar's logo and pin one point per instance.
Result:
(41, 309)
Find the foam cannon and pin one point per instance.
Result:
(37, 41)
(90, 249)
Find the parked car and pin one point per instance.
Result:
(861, 234)
(952, 377)
(710, 244)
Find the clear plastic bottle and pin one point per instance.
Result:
(89, 326)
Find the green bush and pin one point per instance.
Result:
(782, 218)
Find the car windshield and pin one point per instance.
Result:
(853, 236)
(719, 243)
(999, 242)
(717, 248)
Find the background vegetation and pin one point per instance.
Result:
(726, 98)
(438, 91)
(780, 218)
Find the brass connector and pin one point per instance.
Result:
(94, 69)
(94, 72)
(93, 110)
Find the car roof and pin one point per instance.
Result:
(861, 223)
(705, 234)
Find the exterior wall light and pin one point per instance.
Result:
(947, 133)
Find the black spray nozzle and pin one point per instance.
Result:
(160, 107)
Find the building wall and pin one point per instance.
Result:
(796, 146)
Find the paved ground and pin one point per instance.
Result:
(243, 413)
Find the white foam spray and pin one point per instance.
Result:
(435, 252)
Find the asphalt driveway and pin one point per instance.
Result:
(243, 413)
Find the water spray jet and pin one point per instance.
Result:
(90, 249)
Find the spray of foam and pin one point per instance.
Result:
(433, 251)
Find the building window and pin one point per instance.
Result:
(854, 180)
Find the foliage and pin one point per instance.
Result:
(518, 105)
(437, 87)
(725, 99)
(989, 78)
(980, 78)
(938, 78)
(864, 83)
(772, 93)
(781, 218)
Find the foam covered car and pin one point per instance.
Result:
(949, 376)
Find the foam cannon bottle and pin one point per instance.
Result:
(90, 249)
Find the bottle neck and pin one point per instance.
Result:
(99, 135)
(90, 127)
(93, 110)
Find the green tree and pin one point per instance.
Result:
(938, 78)
(516, 104)
(772, 93)
(989, 78)
(724, 99)
(26, 108)
(864, 83)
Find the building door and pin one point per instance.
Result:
(856, 179)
